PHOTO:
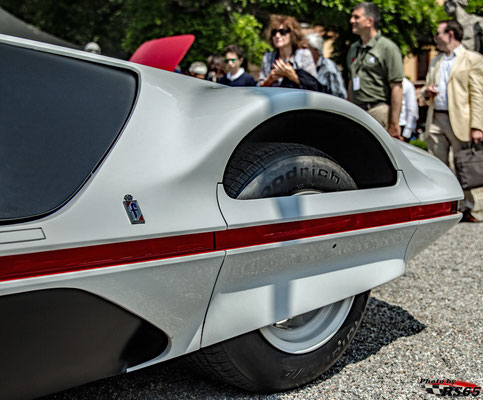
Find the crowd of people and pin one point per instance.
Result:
(453, 90)
(297, 61)
(375, 65)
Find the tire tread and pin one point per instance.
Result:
(217, 365)
(253, 158)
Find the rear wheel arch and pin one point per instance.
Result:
(351, 145)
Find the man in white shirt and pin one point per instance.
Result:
(409, 110)
(454, 94)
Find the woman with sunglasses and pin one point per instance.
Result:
(280, 65)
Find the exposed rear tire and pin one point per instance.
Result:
(250, 362)
(260, 170)
(293, 352)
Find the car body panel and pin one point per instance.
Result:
(77, 337)
(240, 213)
(264, 284)
(171, 294)
(426, 179)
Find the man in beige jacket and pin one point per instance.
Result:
(454, 94)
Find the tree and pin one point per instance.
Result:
(475, 7)
(125, 24)
(409, 23)
(78, 22)
(215, 24)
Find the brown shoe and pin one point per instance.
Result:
(467, 217)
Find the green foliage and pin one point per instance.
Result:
(475, 7)
(213, 26)
(409, 23)
(154, 19)
(419, 143)
(123, 25)
(79, 21)
(245, 30)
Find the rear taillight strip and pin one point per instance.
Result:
(263, 234)
(29, 265)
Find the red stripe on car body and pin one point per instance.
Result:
(284, 231)
(21, 266)
(102, 255)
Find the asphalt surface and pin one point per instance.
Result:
(427, 324)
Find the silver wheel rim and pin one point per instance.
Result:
(307, 332)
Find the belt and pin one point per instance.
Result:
(441, 111)
(368, 106)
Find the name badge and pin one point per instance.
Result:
(356, 83)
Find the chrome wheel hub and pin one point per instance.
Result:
(309, 331)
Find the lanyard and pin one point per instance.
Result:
(366, 50)
(361, 61)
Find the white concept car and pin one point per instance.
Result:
(145, 215)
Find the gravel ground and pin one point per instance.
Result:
(426, 324)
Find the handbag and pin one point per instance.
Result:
(469, 166)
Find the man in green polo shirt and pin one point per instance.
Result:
(376, 69)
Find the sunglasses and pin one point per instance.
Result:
(233, 60)
(282, 31)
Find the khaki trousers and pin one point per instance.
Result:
(381, 114)
(440, 139)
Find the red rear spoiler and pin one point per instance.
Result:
(165, 53)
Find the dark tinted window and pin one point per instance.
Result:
(58, 118)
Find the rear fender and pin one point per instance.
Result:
(261, 284)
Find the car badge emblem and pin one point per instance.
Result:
(133, 210)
